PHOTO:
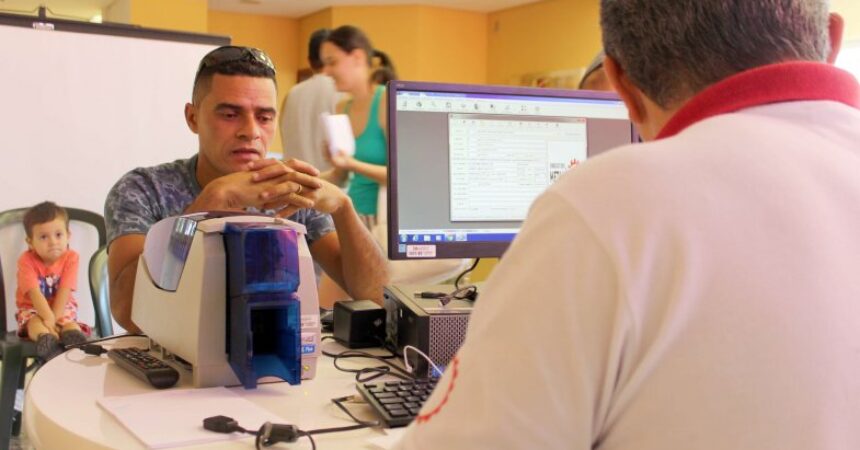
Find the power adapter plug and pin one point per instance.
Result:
(272, 433)
(221, 424)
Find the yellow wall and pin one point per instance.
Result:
(850, 10)
(544, 36)
(391, 29)
(307, 25)
(424, 42)
(452, 45)
(118, 11)
(184, 15)
(277, 36)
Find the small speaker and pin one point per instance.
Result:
(359, 323)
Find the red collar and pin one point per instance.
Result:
(784, 82)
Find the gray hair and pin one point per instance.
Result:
(672, 49)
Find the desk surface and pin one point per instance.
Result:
(61, 410)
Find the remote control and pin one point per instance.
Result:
(144, 366)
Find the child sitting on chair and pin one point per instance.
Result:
(47, 275)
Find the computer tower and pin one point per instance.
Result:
(426, 324)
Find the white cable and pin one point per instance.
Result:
(409, 366)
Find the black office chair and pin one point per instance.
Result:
(15, 351)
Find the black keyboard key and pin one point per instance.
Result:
(399, 412)
(399, 401)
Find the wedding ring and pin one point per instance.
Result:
(299, 190)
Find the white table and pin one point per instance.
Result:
(61, 412)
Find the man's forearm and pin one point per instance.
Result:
(121, 295)
(365, 270)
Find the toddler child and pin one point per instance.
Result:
(47, 276)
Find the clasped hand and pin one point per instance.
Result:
(284, 186)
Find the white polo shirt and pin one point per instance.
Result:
(701, 291)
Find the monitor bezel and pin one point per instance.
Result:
(448, 250)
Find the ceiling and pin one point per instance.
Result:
(299, 8)
(87, 9)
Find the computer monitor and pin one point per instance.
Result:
(466, 162)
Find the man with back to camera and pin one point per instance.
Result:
(698, 291)
(233, 114)
(301, 127)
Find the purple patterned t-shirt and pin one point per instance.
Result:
(146, 195)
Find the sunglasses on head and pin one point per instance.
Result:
(231, 53)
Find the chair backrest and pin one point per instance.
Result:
(100, 291)
(87, 236)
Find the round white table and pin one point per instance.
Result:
(61, 410)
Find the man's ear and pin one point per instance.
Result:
(836, 27)
(191, 117)
(629, 93)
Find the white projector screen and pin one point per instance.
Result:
(81, 109)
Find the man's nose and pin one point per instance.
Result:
(249, 129)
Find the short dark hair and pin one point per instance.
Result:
(349, 38)
(314, 44)
(252, 62)
(43, 213)
(672, 49)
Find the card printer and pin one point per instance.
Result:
(233, 297)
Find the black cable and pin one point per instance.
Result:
(382, 345)
(339, 402)
(272, 433)
(313, 443)
(459, 277)
(366, 374)
(375, 372)
(104, 339)
(89, 347)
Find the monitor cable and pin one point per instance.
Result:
(463, 274)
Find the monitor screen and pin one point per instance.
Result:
(466, 162)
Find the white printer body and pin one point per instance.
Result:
(180, 295)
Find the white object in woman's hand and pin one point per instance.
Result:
(341, 160)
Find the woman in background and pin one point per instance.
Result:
(347, 56)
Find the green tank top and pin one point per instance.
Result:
(371, 148)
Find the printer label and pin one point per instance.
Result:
(420, 251)
(309, 343)
(310, 321)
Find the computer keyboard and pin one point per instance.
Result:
(397, 402)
